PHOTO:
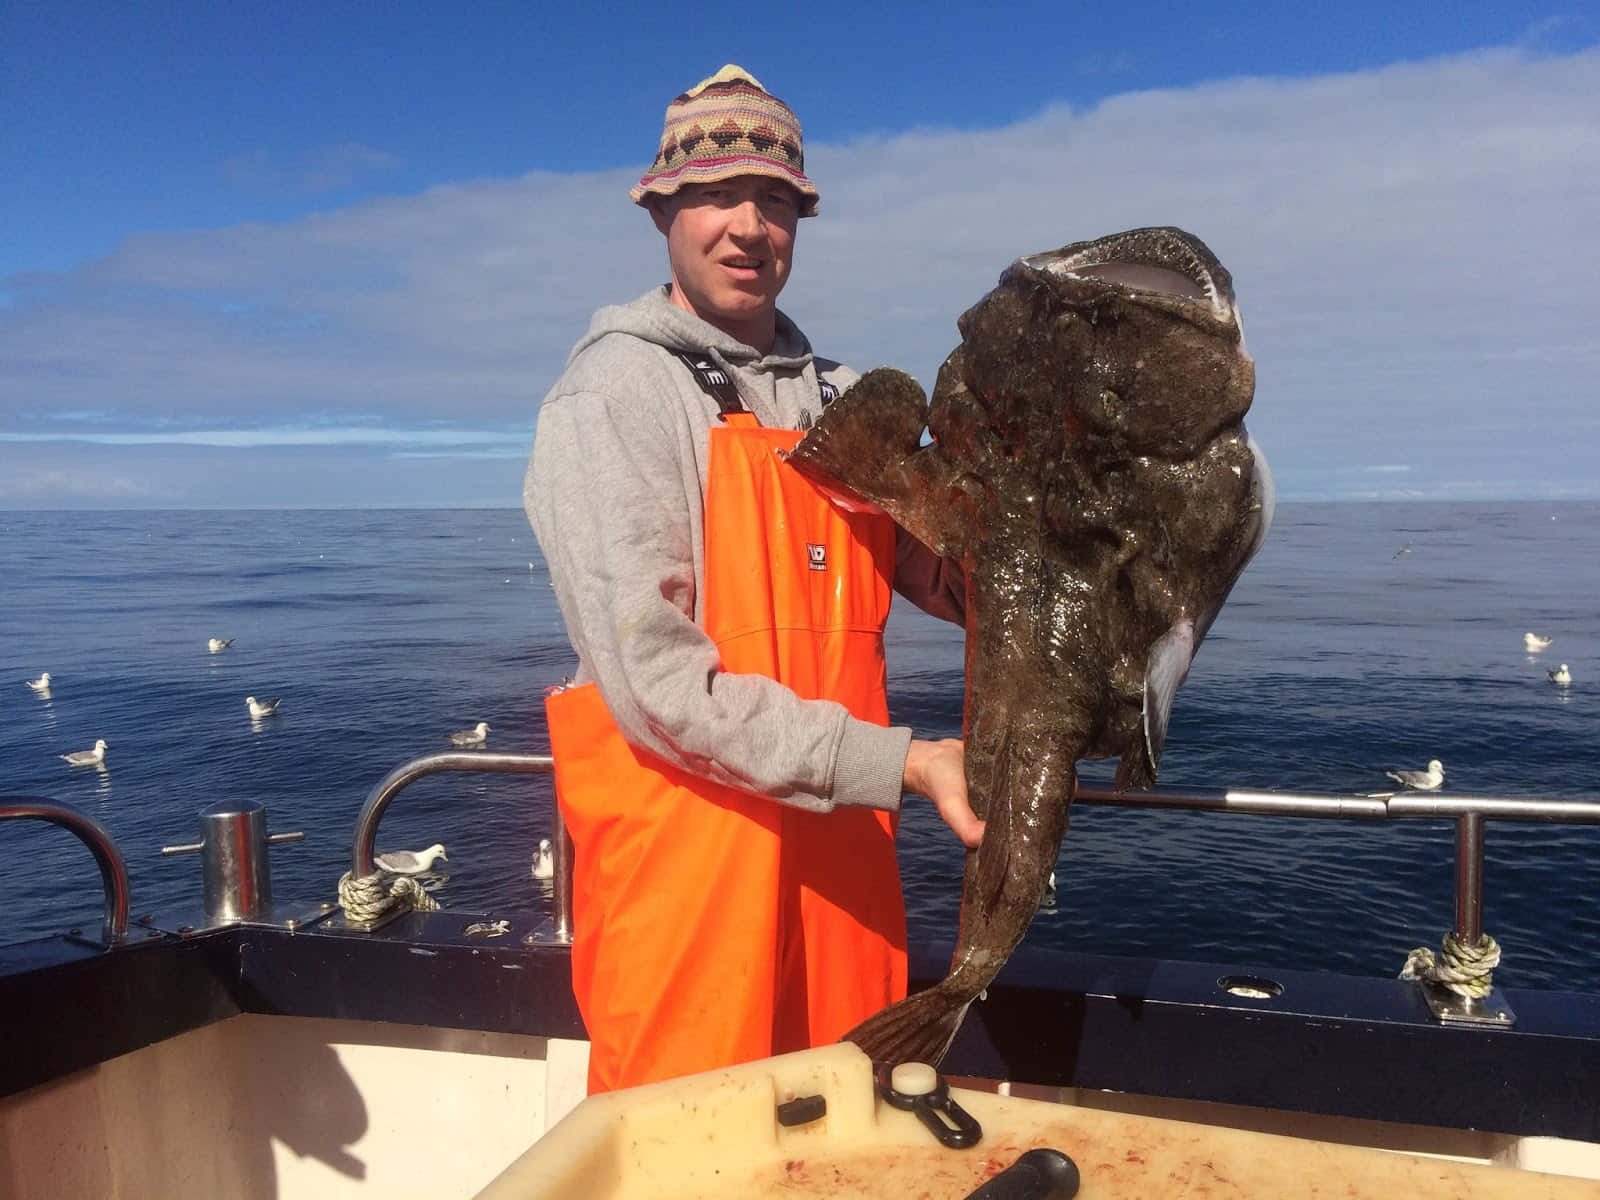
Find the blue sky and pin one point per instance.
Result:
(335, 253)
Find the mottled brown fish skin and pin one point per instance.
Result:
(1091, 471)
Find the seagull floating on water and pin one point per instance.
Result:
(544, 861)
(410, 862)
(1423, 781)
(262, 708)
(41, 684)
(476, 736)
(1561, 675)
(216, 644)
(87, 758)
(1532, 641)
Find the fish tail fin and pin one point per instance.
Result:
(917, 1029)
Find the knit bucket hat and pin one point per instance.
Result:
(724, 126)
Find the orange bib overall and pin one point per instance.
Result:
(713, 926)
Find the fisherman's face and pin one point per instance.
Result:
(730, 245)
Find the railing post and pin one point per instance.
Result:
(1469, 878)
(563, 878)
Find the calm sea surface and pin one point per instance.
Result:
(383, 630)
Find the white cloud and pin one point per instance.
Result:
(1412, 247)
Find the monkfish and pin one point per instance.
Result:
(1090, 470)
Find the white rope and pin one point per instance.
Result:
(1460, 968)
(366, 899)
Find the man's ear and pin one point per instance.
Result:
(660, 213)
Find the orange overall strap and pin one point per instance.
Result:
(713, 926)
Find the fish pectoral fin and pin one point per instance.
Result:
(863, 439)
(1164, 671)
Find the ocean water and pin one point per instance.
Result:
(383, 630)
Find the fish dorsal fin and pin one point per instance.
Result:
(1164, 671)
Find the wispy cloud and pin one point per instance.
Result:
(320, 169)
(1409, 246)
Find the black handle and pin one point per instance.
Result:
(1038, 1175)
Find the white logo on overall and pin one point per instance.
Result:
(817, 556)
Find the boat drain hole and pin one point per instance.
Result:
(1251, 987)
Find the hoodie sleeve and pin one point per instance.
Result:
(613, 494)
(938, 586)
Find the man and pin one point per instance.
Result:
(724, 762)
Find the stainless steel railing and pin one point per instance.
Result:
(1470, 813)
(379, 799)
(113, 872)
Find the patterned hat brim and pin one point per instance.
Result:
(716, 169)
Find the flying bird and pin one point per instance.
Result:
(1406, 549)
(410, 862)
(476, 736)
(41, 684)
(1561, 675)
(1532, 641)
(216, 644)
(87, 758)
(1422, 781)
(262, 708)
(544, 863)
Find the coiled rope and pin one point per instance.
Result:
(1460, 968)
(366, 899)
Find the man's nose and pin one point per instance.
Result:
(746, 220)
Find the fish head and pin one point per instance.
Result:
(1131, 342)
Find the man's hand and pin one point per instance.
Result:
(937, 770)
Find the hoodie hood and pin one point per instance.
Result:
(654, 318)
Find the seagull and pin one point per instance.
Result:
(476, 736)
(1532, 641)
(1423, 781)
(1561, 676)
(544, 863)
(262, 708)
(410, 862)
(216, 644)
(1406, 549)
(87, 758)
(41, 684)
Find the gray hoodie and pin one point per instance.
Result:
(615, 492)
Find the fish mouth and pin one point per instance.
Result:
(1159, 260)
